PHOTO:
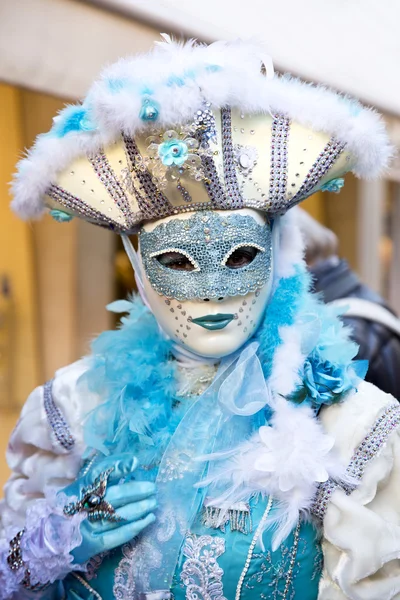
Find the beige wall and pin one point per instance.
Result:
(16, 259)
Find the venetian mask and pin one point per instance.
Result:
(208, 277)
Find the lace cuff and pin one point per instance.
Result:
(40, 554)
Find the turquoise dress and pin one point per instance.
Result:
(220, 565)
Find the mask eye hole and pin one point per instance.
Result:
(177, 261)
(241, 256)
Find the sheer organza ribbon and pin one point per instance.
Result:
(230, 410)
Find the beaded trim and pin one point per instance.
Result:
(251, 548)
(322, 498)
(14, 558)
(195, 265)
(293, 554)
(87, 586)
(278, 171)
(364, 453)
(60, 429)
(231, 182)
(16, 562)
(154, 203)
(183, 191)
(374, 441)
(77, 205)
(212, 184)
(108, 178)
(320, 167)
(242, 245)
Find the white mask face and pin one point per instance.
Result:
(214, 323)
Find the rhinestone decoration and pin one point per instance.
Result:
(175, 154)
(149, 110)
(61, 432)
(325, 160)
(153, 203)
(374, 441)
(108, 178)
(231, 181)
(204, 124)
(14, 558)
(322, 498)
(207, 239)
(77, 205)
(185, 194)
(364, 453)
(93, 501)
(257, 534)
(278, 171)
(245, 158)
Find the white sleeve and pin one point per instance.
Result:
(362, 530)
(37, 453)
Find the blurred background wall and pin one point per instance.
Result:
(55, 280)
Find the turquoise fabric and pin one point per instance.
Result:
(265, 579)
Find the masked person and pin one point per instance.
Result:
(222, 443)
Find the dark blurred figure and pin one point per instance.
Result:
(375, 327)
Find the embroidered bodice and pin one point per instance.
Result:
(221, 564)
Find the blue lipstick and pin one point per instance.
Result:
(212, 322)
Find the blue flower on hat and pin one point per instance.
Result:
(173, 152)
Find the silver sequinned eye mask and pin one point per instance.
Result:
(207, 240)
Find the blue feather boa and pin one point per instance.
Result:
(132, 371)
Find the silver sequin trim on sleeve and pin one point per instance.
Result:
(369, 448)
(201, 575)
(61, 433)
(278, 171)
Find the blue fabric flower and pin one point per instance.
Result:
(326, 382)
(173, 152)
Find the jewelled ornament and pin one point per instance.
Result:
(174, 155)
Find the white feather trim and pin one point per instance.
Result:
(179, 77)
(286, 460)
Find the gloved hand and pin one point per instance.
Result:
(133, 501)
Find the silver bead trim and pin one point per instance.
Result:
(61, 432)
(257, 534)
(213, 185)
(369, 448)
(77, 205)
(87, 586)
(373, 442)
(184, 193)
(278, 171)
(318, 170)
(108, 178)
(322, 498)
(179, 251)
(231, 181)
(292, 562)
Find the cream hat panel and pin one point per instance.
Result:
(81, 181)
(251, 137)
(304, 148)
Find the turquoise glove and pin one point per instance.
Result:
(133, 501)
